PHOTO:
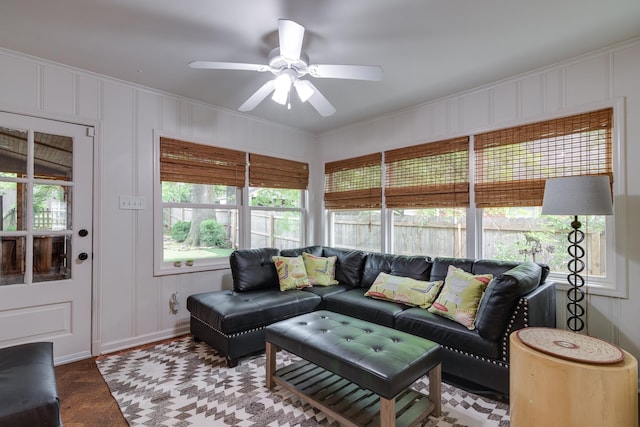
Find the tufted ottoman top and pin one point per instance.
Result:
(380, 359)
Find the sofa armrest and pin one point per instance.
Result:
(535, 309)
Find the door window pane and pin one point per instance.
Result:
(433, 232)
(51, 210)
(51, 258)
(12, 206)
(13, 152)
(13, 256)
(53, 157)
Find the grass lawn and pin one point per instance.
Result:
(171, 255)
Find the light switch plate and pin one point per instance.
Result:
(131, 202)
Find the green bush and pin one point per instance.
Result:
(180, 231)
(213, 234)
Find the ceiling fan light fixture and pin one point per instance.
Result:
(280, 96)
(283, 82)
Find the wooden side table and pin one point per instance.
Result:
(551, 390)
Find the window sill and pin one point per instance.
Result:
(167, 269)
(591, 287)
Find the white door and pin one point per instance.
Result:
(46, 175)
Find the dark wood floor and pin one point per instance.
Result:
(85, 398)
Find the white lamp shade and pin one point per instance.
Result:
(578, 195)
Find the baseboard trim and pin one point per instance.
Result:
(110, 347)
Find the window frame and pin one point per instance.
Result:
(615, 283)
(161, 268)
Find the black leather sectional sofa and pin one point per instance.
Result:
(233, 321)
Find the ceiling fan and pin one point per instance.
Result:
(289, 64)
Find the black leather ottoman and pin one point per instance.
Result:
(380, 360)
(28, 390)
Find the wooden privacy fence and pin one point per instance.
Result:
(502, 240)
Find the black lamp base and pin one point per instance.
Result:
(576, 265)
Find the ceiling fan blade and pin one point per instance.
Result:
(354, 72)
(258, 96)
(291, 35)
(213, 65)
(319, 102)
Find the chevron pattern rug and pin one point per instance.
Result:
(185, 383)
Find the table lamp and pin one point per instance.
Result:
(577, 195)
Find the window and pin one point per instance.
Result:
(200, 189)
(353, 196)
(511, 167)
(204, 210)
(425, 206)
(427, 191)
(276, 201)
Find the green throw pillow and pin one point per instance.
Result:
(291, 272)
(320, 270)
(460, 296)
(405, 290)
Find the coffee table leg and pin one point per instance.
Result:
(270, 350)
(435, 389)
(387, 412)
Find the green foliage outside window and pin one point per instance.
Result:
(212, 233)
(180, 231)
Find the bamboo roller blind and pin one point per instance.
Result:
(182, 161)
(512, 165)
(271, 172)
(354, 183)
(428, 175)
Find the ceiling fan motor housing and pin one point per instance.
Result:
(278, 63)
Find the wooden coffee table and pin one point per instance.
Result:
(356, 372)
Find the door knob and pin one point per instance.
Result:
(83, 256)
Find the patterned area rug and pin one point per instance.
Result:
(184, 383)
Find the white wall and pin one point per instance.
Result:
(132, 306)
(603, 77)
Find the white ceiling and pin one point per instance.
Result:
(427, 48)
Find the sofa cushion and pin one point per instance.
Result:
(324, 291)
(321, 270)
(313, 250)
(404, 290)
(291, 272)
(353, 303)
(233, 312)
(501, 295)
(460, 296)
(349, 265)
(253, 269)
(416, 267)
(441, 265)
(446, 332)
